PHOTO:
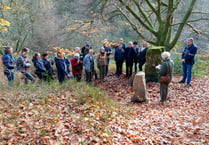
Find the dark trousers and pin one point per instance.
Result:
(102, 71)
(11, 78)
(89, 76)
(163, 91)
(28, 76)
(129, 68)
(107, 66)
(95, 74)
(135, 66)
(78, 77)
(187, 70)
(141, 63)
(119, 67)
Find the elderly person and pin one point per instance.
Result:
(166, 72)
(77, 66)
(129, 57)
(142, 55)
(78, 50)
(102, 63)
(89, 66)
(188, 61)
(8, 63)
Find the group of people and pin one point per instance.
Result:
(133, 56)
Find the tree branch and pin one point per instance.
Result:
(154, 10)
(205, 13)
(184, 21)
(143, 14)
(138, 18)
(190, 21)
(134, 26)
(197, 31)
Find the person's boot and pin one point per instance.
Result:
(181, 82)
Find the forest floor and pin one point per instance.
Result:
(76, 113)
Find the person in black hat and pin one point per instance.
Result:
(87, 48)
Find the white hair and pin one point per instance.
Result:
(91, 50)
(130, 43)
(76, 55)
(165, 55)
(190, 39)
(77, 48)
(102, 48)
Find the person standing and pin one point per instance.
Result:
(83, 48)
(165, 70)
(77, 66)
(23, 65)
(142, 55)
(87, 48)
(67, 62)
(123, 44)
(9, 66)
(119, 59)
(89, 66)
(61, 66)
(48, 64)
(40, 69)
(136, 49)
(188, 61)
(108, 52)
(129, 57)
(102, 63)
(81, 56)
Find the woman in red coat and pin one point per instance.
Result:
(77, 66)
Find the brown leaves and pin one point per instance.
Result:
(61, 118)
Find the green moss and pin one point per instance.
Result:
(152, 60)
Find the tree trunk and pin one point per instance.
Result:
(152, 60)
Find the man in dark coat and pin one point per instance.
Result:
(123, 44)
(142, 55)
(188, 56)
(119, 59)
(129, 57)
(61, 67)
(49, 66)
(87, 48)
(136, 49)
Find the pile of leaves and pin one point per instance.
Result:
(76, 113)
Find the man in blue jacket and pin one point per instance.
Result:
(8, 62)
(61, 67)
(119, 59)
(129, 57)
(188, 56)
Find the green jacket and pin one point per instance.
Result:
(163, 69)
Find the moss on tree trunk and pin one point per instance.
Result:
(152, 60)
